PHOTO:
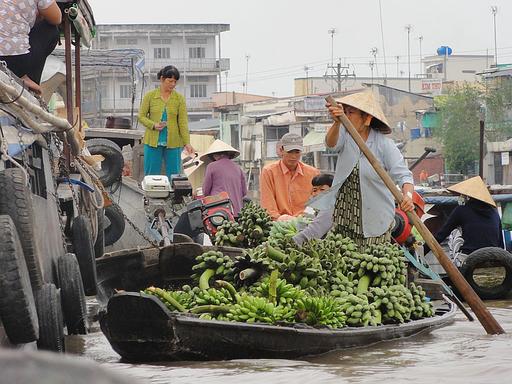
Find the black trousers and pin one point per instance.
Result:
(43, 39)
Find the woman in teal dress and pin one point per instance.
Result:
(164, 114)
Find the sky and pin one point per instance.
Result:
(282, 37)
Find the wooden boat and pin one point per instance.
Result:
(141, 328)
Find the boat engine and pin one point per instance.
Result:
(208, 213)
(164, 202)
(402, 230)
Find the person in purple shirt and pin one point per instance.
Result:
(223, 175)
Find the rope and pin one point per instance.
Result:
(17, 97)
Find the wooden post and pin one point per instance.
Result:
(482, 313)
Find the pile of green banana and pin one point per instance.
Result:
(252, 309)
(212, 264)
(395, 303)
(422, 308)
(282, 232)
(281, 292)
(322, 310)
(256, 224)
(252, 229)
(229, 233)
(358, 310)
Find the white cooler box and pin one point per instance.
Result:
(156, 186)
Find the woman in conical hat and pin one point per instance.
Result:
(363, 208)
(477, 217)
(223, 175)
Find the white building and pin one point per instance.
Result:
(195, 49)
(438, 70)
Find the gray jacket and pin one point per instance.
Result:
(378, 204)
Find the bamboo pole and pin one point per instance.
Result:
(489, 323)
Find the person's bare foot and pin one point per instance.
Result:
(32, 85)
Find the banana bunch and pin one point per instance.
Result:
(212, 296)
(229, 233)
(323, 310)
(282, 232)
(392, 267)
(395, 302)
(256, 223)
(285, 294)
(358, 310)
(212, 264)
(328, 254)
(340, 284)
(252, 309)
(422, 308)
(180, 301)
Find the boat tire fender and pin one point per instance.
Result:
(115, 229)
(484, 257)
(16, 202)
(17, 304)
(84, 250)
(99, 244)
(72, 294)
(51, 324)
(112, 166)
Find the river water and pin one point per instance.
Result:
(458, 353)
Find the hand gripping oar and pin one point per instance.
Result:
(489, 323)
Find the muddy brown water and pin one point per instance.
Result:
(458, 353)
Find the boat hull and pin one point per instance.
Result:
(140, 328)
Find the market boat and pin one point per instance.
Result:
(141, 328)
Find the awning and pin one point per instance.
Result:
(314, 141)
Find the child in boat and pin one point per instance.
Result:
(323, 220)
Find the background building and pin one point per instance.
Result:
(195, 49)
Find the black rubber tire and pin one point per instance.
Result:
(99, 244)
(72, 294)
(83, 247)
(16, 201)
(17, 306)
(487, 257)
(100, 141)
(115, 229)
(112, 166)
(51, 324)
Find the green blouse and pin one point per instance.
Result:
(150, 113)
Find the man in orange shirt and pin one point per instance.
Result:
(285, 186)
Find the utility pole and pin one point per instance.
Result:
(374, 52)
(421, 56)
(408, 28)
(306, 69)
(332, 32)
(371, 64)
(340, 72)
(247, 57)
(383, 46)
(397, 65)
(494, 11)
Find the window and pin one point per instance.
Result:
(197, 90)
(197, 53)
(196, 40)
(126, 41)
(162, 53)
(275, 133)
(125, 91)
(160, 41)
(197, 79)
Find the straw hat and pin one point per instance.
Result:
(475, 188)
(219, 146)
(366, 102)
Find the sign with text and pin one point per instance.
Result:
(433, 86)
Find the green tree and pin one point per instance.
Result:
(459, 129)
(498, 101)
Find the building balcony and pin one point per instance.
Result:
(189, 65)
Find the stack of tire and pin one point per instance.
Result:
(113, 223)
(34, 303)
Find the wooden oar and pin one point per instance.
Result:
(482, 313)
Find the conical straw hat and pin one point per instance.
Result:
(366, 102)
(475, 188)
(219, 146)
